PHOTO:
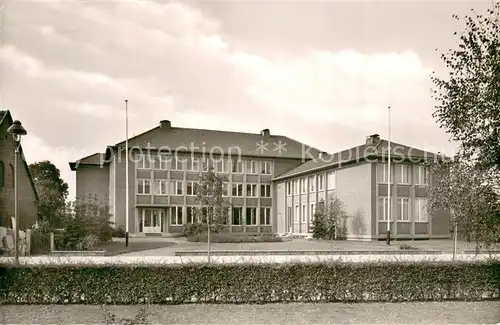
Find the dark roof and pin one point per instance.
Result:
(95, 159)
(6, 115)
(205, 141)
(358, 154)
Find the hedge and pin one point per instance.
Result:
(250, 283)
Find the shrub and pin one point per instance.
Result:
(193, 229)
(119, 232)
(234, 238)
(40, 242)
(249, 283)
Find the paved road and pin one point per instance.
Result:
(361, 313)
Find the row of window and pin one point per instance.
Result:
(236, 217)
(165, 187)
(402, 210)
(402, 174)
(220, 165)
(304, 212)
(309, 184)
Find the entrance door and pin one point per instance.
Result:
(151, 219)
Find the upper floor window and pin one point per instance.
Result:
(402, 174)
(288, 188)
(403, 209)
(266, 167)
(251, 189)
(237, 189)
(176, 188)
(251, 167)
(162, 162)
(225, 189)
(321, 182)
(331, 180)
(192, 164)
(160, 187)
(312, 184)
(221, 165)
(296, 187)
(191, 188)
(207, 163)
(382, 173)
(145, 161)
(303, 185)
(383, 209)
(237, 166)
(420, 210)
(143, 186)
(265, 190)
(421, 175)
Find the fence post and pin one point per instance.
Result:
(51, 243)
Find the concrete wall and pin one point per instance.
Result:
(354, 190)
(27, 198)
(92, 180)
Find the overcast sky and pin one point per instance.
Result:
(321, 73)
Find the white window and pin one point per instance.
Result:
(237, 215)
(162, 162)
(383, 211)
(191, 214)
(420, 210)
(265, 216)
(296, 187)
(225, 189)
(251, 216)
(145, 161)
(331, 180)
(237, 166)
(220, 165)
(251, 167)
(207, 163)
(160, 187)
(265, 167)
(312, 212)
(297, 214)
(321, 182)
(251, 189)
(312, 184)
(143, 186)
(192, 164)
(176, 188)
(303, 185)
(237, 189)
(176, 216)
(178, 162)
(402, 174)
(382, 173)
(304, 214)
(420, 175)
(288, 188)
(191, 188)
(403, 209)
(265, 190)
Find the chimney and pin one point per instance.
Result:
(322, 154)
(373, 139)
(265, 133)
(165, 124)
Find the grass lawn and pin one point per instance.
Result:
(116, 248)
(292, 313)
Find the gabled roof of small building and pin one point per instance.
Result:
(360, 153)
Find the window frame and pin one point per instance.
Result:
(303, 185)
(400, 207)
(303, 215)
(265, 214)
(400, 174)
(385, 212)
(420, 204)
(143, 181)
(254, 170)
(178, 184)
(177, 208)
(254, 190)
(157, 185)
(312, 183)
(321, 182)
(194, 188)
(266, 167)
(240, 222)
(266, 193)
(236, 186)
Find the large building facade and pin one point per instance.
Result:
(273, 183)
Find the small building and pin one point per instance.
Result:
(28, 196)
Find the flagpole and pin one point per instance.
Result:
(126, 174)
(389, 183)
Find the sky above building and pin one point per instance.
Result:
(322, 73)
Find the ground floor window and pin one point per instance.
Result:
(176, 216)
(191, 214)
(237, 216)
(265, 216)
(251, 216)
